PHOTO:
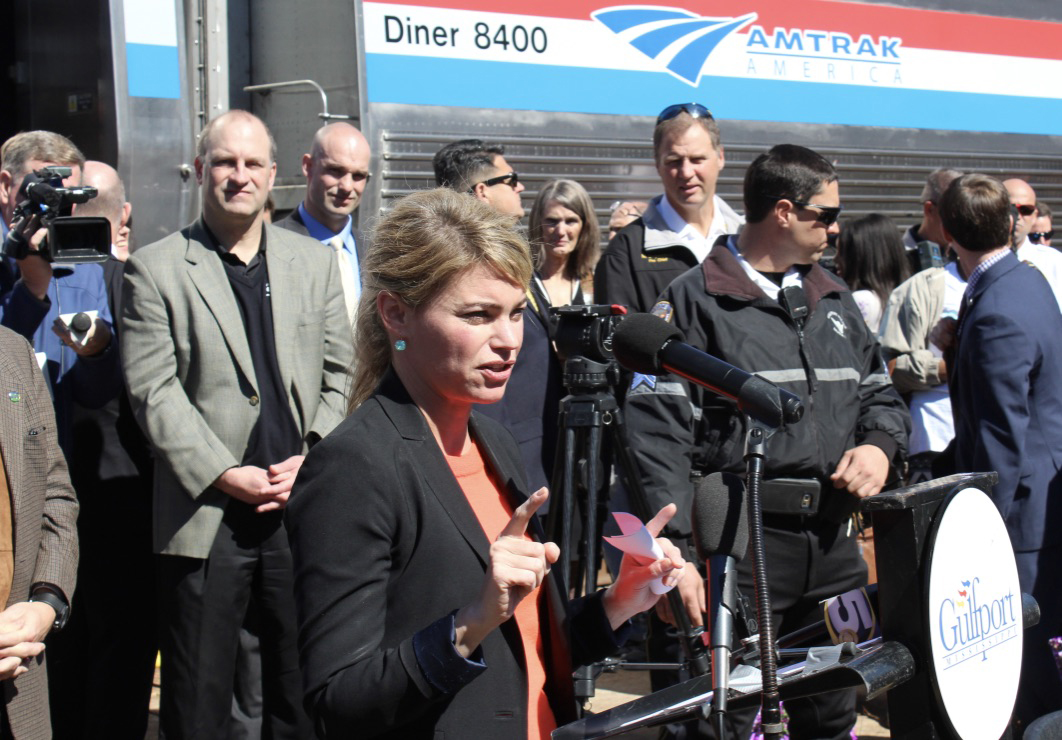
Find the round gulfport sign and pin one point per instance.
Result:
(975, 616)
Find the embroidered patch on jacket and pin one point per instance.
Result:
(649, 381)
(664, 310)
(838, 322)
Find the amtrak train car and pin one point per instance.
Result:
(571, 89)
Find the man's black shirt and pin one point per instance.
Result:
(275, 436)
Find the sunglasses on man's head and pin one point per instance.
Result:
(693, 110)
(828, 215)
(1025, 210)
(509, 178)
(1038, 236)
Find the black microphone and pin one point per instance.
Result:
(81, 322)
(721, 536)
(649, 345)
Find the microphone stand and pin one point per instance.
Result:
(770, 708)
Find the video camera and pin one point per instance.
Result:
(71, 239)
(585, 331)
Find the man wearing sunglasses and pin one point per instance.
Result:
(480, 169)
(679, 227)
(1043, 258)
(533, 394)
(761, 302)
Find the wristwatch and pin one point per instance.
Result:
(47, 595)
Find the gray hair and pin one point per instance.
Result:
(44, 146)
(937, 182)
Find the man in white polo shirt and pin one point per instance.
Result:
(679, 228)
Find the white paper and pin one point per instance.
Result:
(67, 318)
(639, 544)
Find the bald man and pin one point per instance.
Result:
(1045, 259)
(110, 203)
(235, 345)
(337, 170)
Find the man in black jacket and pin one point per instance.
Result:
(678, 228)
(738, 305)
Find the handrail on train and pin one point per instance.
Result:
(324, 115)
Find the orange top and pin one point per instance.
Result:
(493, 511)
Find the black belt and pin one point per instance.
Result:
(804, 499)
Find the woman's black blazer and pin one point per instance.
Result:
(386, 548)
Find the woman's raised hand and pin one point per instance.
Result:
(630, 593)
(516, 568)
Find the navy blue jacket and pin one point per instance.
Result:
(90, 381)
(1006, 393)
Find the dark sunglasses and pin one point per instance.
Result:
(694, 110)
(509, 178)
(1037, 236)
(828, 215)
(1024, 210)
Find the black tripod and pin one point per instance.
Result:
(586, 413)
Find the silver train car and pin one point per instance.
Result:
(571, 89)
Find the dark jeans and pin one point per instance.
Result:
(202, 605)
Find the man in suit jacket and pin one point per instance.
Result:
(1006, 395)
(336, 169)
(235, 345)
(38, 539)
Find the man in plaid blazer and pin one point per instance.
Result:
(38, 538)
(235, 345)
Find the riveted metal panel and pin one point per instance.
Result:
(881, 169)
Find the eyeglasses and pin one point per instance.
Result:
(694, 110)
(509, 178)
(1025, 210)
(1037, 236)
(828, 215)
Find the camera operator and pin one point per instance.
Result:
(38, 293)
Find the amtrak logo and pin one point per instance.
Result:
(679, 40)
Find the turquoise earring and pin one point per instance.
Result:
(400, 344)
